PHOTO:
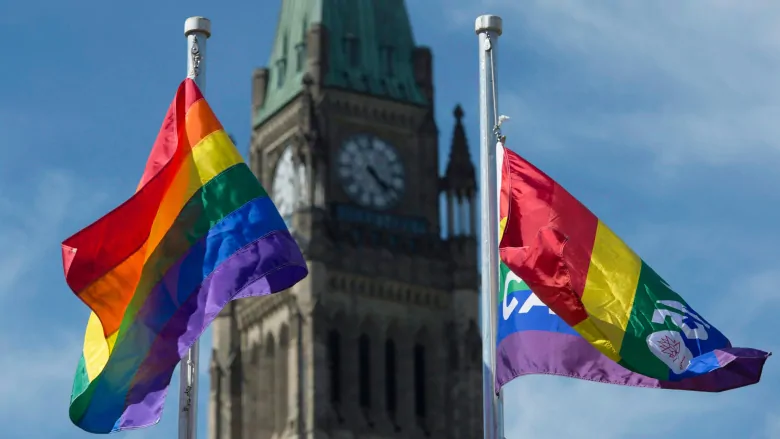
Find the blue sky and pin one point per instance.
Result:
(662, 119)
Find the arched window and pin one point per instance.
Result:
(419, 380)
(334, 365)
(364, 370)
(281, 377)
(391, 396)
(254, 383)
(266, 392)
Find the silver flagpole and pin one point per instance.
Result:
(489, 28)
(197, 30)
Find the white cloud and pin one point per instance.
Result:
(772, 426)
(36, 385)
(32, 221)
(542, 407)
(753, 298)
(684, 82)
(33, 373)
(760, 288)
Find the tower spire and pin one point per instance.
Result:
(459, 183)
(460, 172)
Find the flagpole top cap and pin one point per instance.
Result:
(197, 25)
(489, 23)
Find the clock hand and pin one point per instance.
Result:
(376, 178)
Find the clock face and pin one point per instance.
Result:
(371, 172)
(289, 183)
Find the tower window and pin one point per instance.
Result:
(281, 64)
(364, 372)
(352, 50)
(419, 380)
(300, 53)
(387, 55)
(281, 72)
(300, 48)
(391, 397)
(334, 365)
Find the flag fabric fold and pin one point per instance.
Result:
(576, 301)
(155, 272)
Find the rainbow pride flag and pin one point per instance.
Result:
(577, 301)
(199, 231)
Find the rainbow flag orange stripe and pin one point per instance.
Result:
(579, 268)
(199, 231)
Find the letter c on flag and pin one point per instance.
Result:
(509, 309)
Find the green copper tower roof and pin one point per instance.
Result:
(369, 50)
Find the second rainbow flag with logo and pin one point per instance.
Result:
(591, 286)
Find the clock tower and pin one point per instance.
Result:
(381, 339)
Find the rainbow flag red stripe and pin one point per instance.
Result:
(199, 231)
(579, 268)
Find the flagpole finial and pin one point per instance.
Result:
(197, 30)
(197, 25)
(487, 23)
